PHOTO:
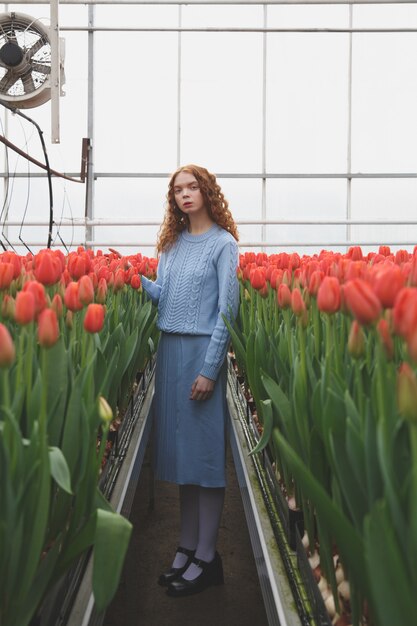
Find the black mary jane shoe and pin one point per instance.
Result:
(212, 574)
(175, 572)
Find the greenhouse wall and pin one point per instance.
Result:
(305, 112)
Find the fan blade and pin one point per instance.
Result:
(30, 52)
(28, 83)
(41, 68)
(7, 81)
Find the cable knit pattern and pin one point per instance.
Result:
(196, 285)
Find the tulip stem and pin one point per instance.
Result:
(5, 391)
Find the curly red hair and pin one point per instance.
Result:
(175, 221)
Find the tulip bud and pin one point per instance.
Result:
(72, 298)
(6, 275)
(94, 318)
(257, 278)
(69, 321)
(362, 301)
(25, 308)
(39, 293)
(48, 330)
(297, 303)
(284, 296)
(104, 410)
(405, 312)
(8, 307)
(356, 340)
(7, 349)
(85, 289)
(246, 295)
(328, 295)
(387, 281)
(385, 337)
(135, 281)
(101, 293)
(57, 305)
(407, 392)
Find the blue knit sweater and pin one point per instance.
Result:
(196, 285)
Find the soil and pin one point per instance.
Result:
(141, 601)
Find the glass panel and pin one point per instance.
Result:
(385, 16)
(305, 16)
(159, 16)
(28, 201)
(245, 201)
(384, 103)
(307, 103)
(221, 101)
(310, 200)
(386, 200)
(133, 199)
(136, 102)
(218, 16)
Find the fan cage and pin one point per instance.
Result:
(25, 60)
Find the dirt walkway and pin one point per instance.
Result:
(140, 601)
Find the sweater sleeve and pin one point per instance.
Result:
(227, 305)
(153, 288)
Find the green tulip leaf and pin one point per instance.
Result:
(268, 422)
(110, 546)
(59, 469)
(393, 590)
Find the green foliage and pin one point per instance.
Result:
(50, 509)
(332, 424)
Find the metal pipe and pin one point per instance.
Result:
(135, 29)
(217, 2)
(81, 221)
(227, 175)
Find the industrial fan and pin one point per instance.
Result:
(25, 61)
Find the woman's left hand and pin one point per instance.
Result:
(202, 388)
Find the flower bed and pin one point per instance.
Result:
(327, 347)
(74, 332)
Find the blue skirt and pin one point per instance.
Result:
(189, 437)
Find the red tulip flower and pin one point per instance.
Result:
(315, 282)
(257, 278)
(79, 264)
(284, 296)
(85, 289)
(387, 282)
(48, 330)
(48, 268)
(297, 303)
(7, 349)
(94, 318)
(328, 295)
(355, 253)
(25, 308)
(72, 299)
(386, 338)
(119, 280)
(38, 291)
(356, 340)
(6, 275)
(135, 281)
(362, 301)
(101, 291)
(57, 305)
(14, 259)
(405, 312)
(8, 307)
(407, 392)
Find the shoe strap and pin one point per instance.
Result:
(186, 551)
(200, 563)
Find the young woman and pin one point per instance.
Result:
(195, 287)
